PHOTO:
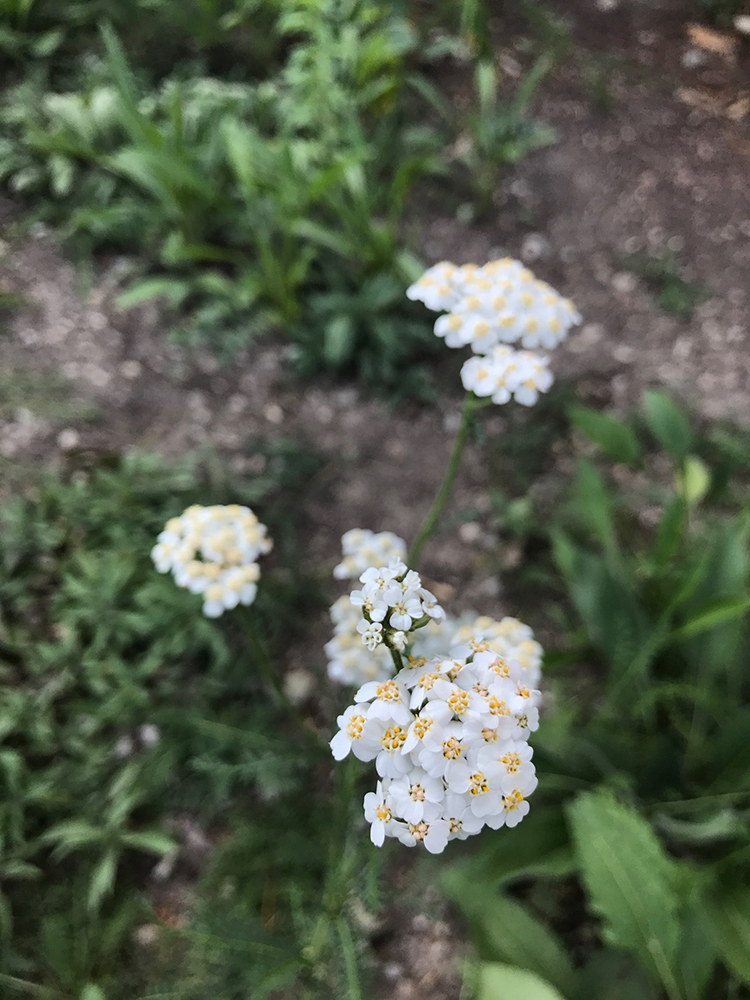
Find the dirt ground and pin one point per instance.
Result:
(666, 166)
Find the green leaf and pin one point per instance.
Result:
(594, 505)
(614, 975)
(629, 879)
(504, 982)
(716, 614)
(505, 931)
(697, 954)
(671, 531)
(613, 437)
(729, 921)
(92, 992)
(338, 341)
(70, 835)
(171, 289)
(693, 481)
(153, 841)
(723, 826)
(102, 880)
(668, 424)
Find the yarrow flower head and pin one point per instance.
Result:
(449, 738)
(213, 551)
(496, 309)
(362, 548)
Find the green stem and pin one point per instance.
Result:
(340, 865)
(428, 525)
(350, 959)
(398, 662)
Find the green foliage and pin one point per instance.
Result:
(642, 807)
(496, 982)
(663, 274)
(630, 881)
(95, 645)
(500, 132)
(263, 175)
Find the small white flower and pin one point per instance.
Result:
(371, 632)
(349, 737)
(379, 812)
(434, 835)
(398, 640)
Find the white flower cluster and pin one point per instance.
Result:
(449, 737)
(349, 662)
(509, 638)
(393, 602)
(362, 548)
(490, 308)
(213, 551)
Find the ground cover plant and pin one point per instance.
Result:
(264, 183)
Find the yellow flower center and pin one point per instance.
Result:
(452, 749)
(478, 784)
(388, 691)
(393, 739)
(354, 727)
(459, 702)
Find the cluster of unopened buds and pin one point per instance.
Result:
(213, 551)
(503, 313)
(393, 602)
(449, 737)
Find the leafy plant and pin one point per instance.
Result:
(663, 274)
(95, 646)
(645, 810)
(499, 132)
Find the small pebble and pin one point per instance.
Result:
(68, 439)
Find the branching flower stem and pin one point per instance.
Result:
(471, 404)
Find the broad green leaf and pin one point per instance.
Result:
(504, 930)
(668, 424)
(613, 437)
(629, 879)
(504, 982)
(728, 911)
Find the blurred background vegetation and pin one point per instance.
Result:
(259, 162)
